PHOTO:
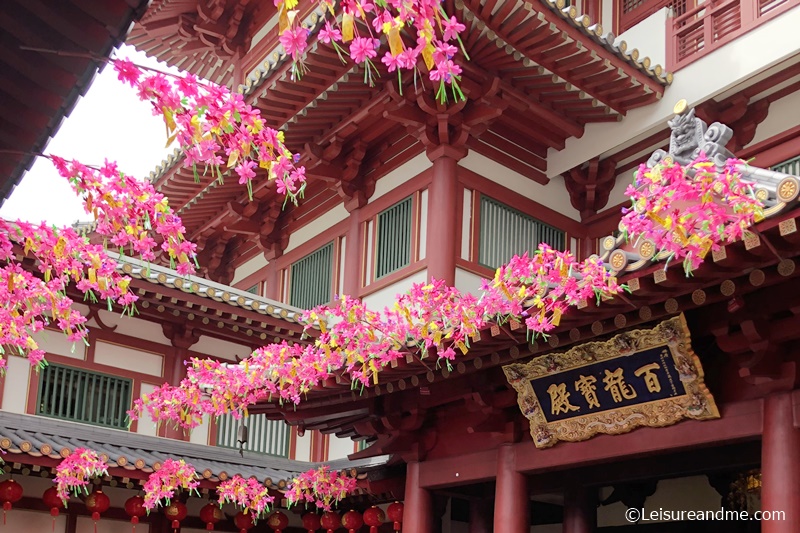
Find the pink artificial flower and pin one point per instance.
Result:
(451, 28)
(245, 171)
(127, 72)
(294, 41)
(362, 49)
(329, 34)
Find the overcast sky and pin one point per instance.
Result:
(108, 123)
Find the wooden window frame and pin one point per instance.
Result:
(413, 224)
(218, 434)
(332, 276)
(122, 403)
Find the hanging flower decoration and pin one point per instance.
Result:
(355, 341)
(248, 494)
(322, 487)
(207, 120)
(75, 471)
(430, 35)
(162, 484)
(689, 211)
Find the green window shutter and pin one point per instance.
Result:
(83, 396)
(791, 167)
(263, 435)
(311, 279)
(253, 289)
(363, 445)
(505, 232)
(393, 243)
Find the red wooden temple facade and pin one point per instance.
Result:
(559, 112)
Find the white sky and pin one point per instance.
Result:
(108, 123)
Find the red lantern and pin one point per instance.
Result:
(244, 521)
(10, 493)
(134, 506)
(97, 503)
(176, 511)
(278, 521)
(352, 521)
(330, 521)
(211, 514)
(395, 514)
(51, 500)
(374, 517)
(311, 522)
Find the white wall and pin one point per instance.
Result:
(553, 195)
(783, 115)
(731, 65)
(114, 355)
(219, 348)
(339, 448)
(199, 435)
(468, 282)
(649, 36)
(316, 227)
(56, 342)
(386, 296)
(249, 267)
(146, 425)
(15, 390)
(134, 327)
(302, 450)
(400, 175)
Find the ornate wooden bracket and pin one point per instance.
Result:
(589, 185)
(181, 335)
(738, 113)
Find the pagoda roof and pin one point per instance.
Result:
(31, 439)
(40, 87)
(538, 74)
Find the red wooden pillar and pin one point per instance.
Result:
(418, 504)
(179, 356)
(480, 517)
(580, 511)
(351, 283)
(442, 224)
(511, 501)
(780, 465)
(272, 282)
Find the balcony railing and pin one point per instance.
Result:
(714, 23)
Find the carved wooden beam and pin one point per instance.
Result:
(589, 185)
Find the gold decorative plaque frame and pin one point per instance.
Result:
(693, 400)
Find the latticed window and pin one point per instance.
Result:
(393, 240)
(791, 167)
(83, 396)
(263, 436)
(632, 12)
(505, 232)
(311, 278)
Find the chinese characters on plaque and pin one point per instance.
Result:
(639, 378)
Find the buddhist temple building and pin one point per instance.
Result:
(677, 397)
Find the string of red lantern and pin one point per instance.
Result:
(51, 500)
(352, 521)
(134, 506)
(97, 503)
(374, 517)
(10, 493)
(244, 521)
(330, 521)
(311, 522)
(211, 514)
(278, 521)
(395, 514)
(176, 511)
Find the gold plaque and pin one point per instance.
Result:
(648, 377)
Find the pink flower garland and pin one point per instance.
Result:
(689, 211)
(162, 484)
(322, 486)
(248, 494)
(74, 472)
(432, 35)
(207, 120)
